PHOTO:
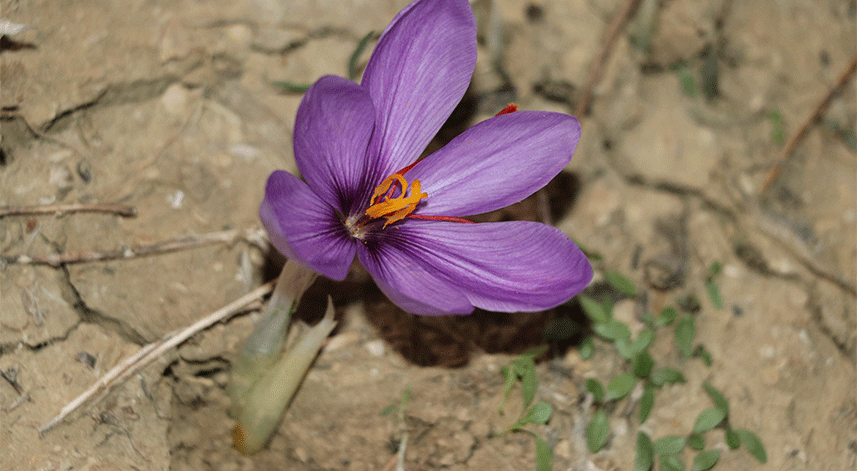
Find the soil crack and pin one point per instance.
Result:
(92, 316)
(320, 33)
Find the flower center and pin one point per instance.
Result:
(384, 205)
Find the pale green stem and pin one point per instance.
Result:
(270, 332)
(265, 344)
(262, 408)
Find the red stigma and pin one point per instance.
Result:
(510, 108)
(440, 218)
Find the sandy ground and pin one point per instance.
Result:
(168, 106)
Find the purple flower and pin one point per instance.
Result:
(353, 144)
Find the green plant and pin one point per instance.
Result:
(641, 369)
(523, 369)
(351, 67)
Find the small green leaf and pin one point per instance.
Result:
(696, 441)
(717, 397)
(671, 463)
(645, 458)
(586, 348)
(714, 294)
(529, 384)
(544, 455)
(708, 419)
(705, 460)
(778, 130)
(620, 386)
(624, 348)
(648, 318)
(684, 333)
(594, 387)
(667, 316)
(509, 378)
(669, 445)
(612, 330)
(607, 305)
(733, 440)
(753, 444)
(592, 255)
(594, 310)
(355, 56)
(703, 354)
(522, 364)
(597, 431)
(621, 282)
(647, 401)
(714, 269)
(540, 413)
(642, 365)
(388, 410)
(292, 87)
(535, 352)
(710, 75)
(642, 342)
(688, 82)
(667, 376)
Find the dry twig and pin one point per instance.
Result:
(596, 69)
(175, 245)
(152, 351)
(804, 128)
(61, 209)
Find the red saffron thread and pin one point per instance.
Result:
(440, 218)
(510, 108)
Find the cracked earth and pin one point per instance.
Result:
(168, 106)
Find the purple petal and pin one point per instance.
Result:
(496, 163)
(417, 74)
(408, 285)
(506, 266)
(304, 228)
(332, 130)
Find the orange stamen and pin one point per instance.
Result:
(394, 209)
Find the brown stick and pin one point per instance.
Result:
(175, 245)
(596, 69)
(152, 351)
(813, 117)
(60, 209)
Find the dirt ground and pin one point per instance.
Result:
(168, 106)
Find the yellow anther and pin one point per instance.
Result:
(385, 185)
(395, 209)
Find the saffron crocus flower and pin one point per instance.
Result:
(365, 193)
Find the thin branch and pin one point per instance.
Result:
(152, 351)
(175, 245)
(596, 69)
(61, 209)
(813, 117)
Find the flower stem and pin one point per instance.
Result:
(262, 408)
(262, 355)
(269, 334)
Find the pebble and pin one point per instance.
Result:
(301, 454)
(244, 150)
(175, 99)
(376, 347)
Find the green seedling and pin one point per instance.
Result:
(352, 69)
(523, 369)
(642, 370)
